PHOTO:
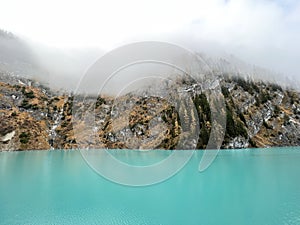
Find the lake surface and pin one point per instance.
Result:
(260, 187)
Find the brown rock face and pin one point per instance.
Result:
(257, 115)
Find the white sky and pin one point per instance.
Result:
(263, 32)
(93, 22)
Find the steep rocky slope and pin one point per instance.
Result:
(257, 115)
(262, 114)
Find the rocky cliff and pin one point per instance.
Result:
(258, 114)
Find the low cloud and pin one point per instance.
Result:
(259, 32)
(264, 33)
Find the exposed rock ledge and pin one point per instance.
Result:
(7, 137)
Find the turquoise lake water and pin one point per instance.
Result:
(255, 187)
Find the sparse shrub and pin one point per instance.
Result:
(276, 110)
(34, 107)
(240, 129)
(225, 92)
(64, 124)
(25, 104)
(24, 138)
(275, 87)
(29, 94)
(204, 135)
(234, 128)
(17, 87)
(100, 101)
(255, 87)
(246, 85)
(286, 120)
(201, 100)
(252, 143)
(242, 118)
(257, 101)
(203, 109)
(44, 98)
(266, 125)
(230, 129)
(264, 97)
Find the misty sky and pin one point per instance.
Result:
(265, 32)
